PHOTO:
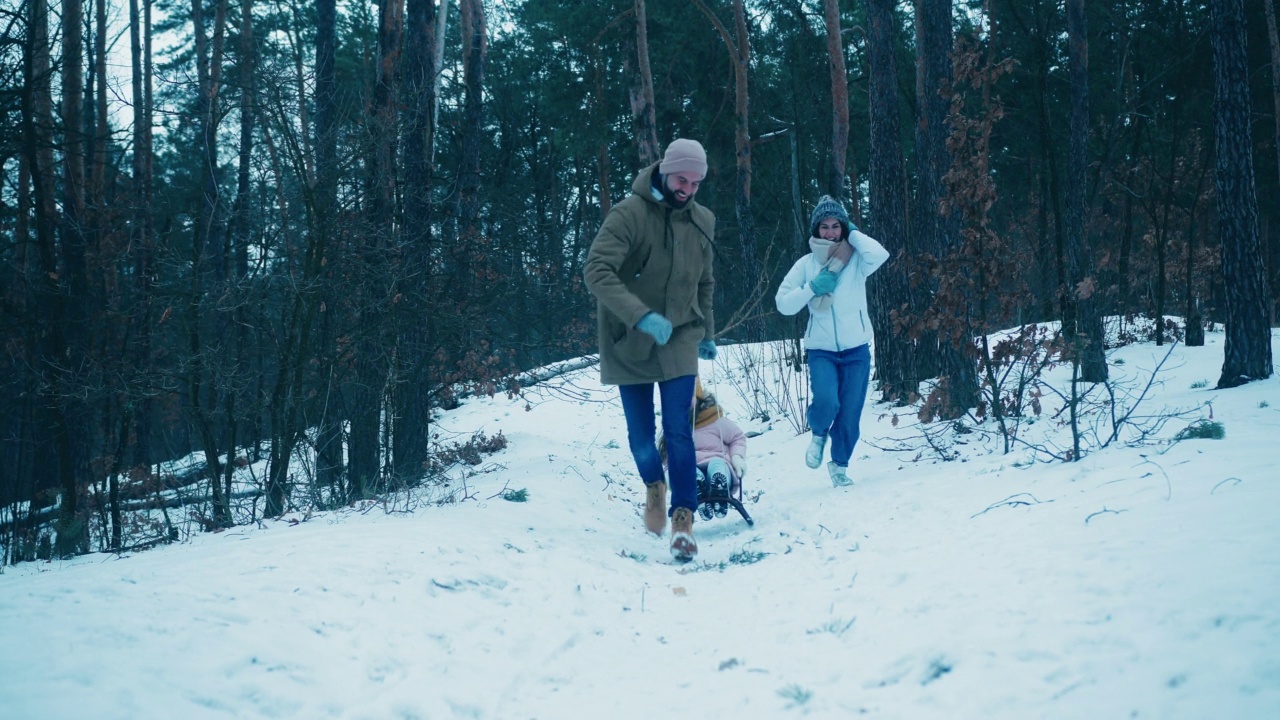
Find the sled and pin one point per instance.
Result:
(733, 499)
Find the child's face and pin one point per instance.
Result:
(830, 229)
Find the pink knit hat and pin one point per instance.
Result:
(684, 156)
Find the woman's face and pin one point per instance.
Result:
(830, 229)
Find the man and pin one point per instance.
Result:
(650, 270)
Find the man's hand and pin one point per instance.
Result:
(655, 325)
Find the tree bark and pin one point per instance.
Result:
(1247, 353)
(740, 59)
(887, 220)
(70, 293)
(642, 104)
(1083, 325)
(958, 372)
(142, 230)
(245, 66)
(206, 251)
(466, 208)
(442, 27)
(51, 464)
(837, 185)
(372, 360)
(415, 326)
(1194, 312)
(98, 218)
(139, 349)
(330, 462)
(1273, 40)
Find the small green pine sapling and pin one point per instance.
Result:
(1202, 430)
(521, 495)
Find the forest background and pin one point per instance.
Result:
(280, 229)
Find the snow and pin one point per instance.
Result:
(1141, 581)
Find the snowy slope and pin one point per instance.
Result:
(1139, 582)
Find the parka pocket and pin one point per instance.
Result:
(635, 267)
(634, 346)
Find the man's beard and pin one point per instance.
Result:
(671, 199)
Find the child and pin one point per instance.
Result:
(720, 448)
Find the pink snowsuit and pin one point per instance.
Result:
(720, 439)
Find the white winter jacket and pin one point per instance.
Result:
(846, 324)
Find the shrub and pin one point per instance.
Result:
(470, 452)
(1202, 430)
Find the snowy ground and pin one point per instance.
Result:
(1140, 582)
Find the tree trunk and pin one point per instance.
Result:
(51, 463)
(1273, 40)
(201, 386)
(740, 59)
(412, 415)
(442, 26)
(1194, 314)
(237, 250)
(330, 464)
(642, 104)
(1049, 211)
(836, 182)
(958, 372)
(100, 126)
(65, 351)
(753, 274)
(141, 228)
(209, 54)
(466, 207)
(887, 220)
(371, 360)
(99, 224)
(245, 65)
(1247, 353)
(1086, 333)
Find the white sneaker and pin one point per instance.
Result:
(838, 476)
(813, 456)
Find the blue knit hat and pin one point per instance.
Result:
(829, 207)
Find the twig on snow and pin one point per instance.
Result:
(1012, 502)
(1103, 511)
(1168, 484)
(1220, 484)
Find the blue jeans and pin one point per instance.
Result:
(677, 431)
(838, 382)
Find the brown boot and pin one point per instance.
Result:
(683, 548)
(655, 507)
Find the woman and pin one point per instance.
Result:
(832, 282)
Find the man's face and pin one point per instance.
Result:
(682, 186)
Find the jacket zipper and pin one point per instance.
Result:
(835, 325)
(669, 242)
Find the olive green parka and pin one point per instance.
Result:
(649, 256)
